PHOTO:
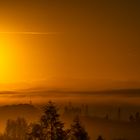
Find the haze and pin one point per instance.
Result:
(73, 44)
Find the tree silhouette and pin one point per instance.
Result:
(50, 127)
(137, 116)
(77, 131)
(100, 138)
(16, 129)
(35, 132)
(131, 118)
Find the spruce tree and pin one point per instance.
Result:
(50, 127)
(77, 131)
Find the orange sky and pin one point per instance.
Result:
(74, 44)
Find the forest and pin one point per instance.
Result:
(49, 127)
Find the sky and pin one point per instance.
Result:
(69, 44)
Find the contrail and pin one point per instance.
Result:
(31, 33)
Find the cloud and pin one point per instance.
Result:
(31, 33)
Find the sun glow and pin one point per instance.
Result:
(5, 59)
(9, 59)
(18, 63)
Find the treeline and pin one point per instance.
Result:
(15, 130)
(71, 109)
(135, 117)
(49, 127)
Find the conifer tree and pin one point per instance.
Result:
(50, 127)
(77, 131)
